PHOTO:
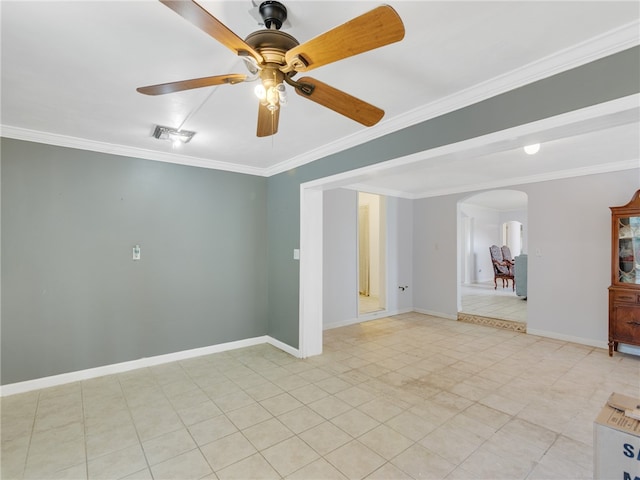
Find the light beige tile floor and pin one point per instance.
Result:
(368, 304)
(502, 303)
(411, 396)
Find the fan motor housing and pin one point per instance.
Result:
(271, 44)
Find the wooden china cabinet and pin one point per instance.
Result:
(624, 292)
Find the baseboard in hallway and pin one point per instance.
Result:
(493, 322)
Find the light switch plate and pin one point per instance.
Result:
(296, 254)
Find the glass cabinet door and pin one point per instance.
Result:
(629, 250)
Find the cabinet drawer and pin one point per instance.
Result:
(626, 297)
(626, 326)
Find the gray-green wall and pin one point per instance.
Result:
(606, 79)
(217, 247)
(73, 298)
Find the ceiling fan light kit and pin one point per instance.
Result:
(275, 57)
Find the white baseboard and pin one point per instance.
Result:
(436, 314)
(366, 318)
(61, 379)
(630, 349)
(567, 338)
(284, 347)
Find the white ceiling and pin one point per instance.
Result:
(500, 200)
(70, 72)
(606, 143)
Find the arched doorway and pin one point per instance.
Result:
(495, 217)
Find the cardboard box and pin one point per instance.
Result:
(616, 442)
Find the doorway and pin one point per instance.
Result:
(512, 236)
(497, 217)
(371, 253)
(311, 208)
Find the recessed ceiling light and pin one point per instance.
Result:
(532, 149)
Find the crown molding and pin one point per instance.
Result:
(17, 133)
(593, 49)
(385, 192)
(357, 178)
(544, 177)
(507, 182)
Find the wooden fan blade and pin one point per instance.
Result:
(198, 16)
(267, 121)
(381, 26)
(341, 102)
(172, 87)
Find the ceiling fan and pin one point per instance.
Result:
(275, 57)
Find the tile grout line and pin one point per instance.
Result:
(33, 428)
(84, 431)
(560, 364)
(134, 425)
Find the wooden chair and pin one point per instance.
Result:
(502, 269)
(506, 255)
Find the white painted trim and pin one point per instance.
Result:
(609, 43)
(284, 347)
(311, 271)
(630, 349)
(122, 150)
(567, 338)
(604, 45)
(366, 318)
(342, 323)
(341, 180)
(63, 378)
(311, 220)
(436, 314)
(387, 192)
(355, 176)
(543, 177)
